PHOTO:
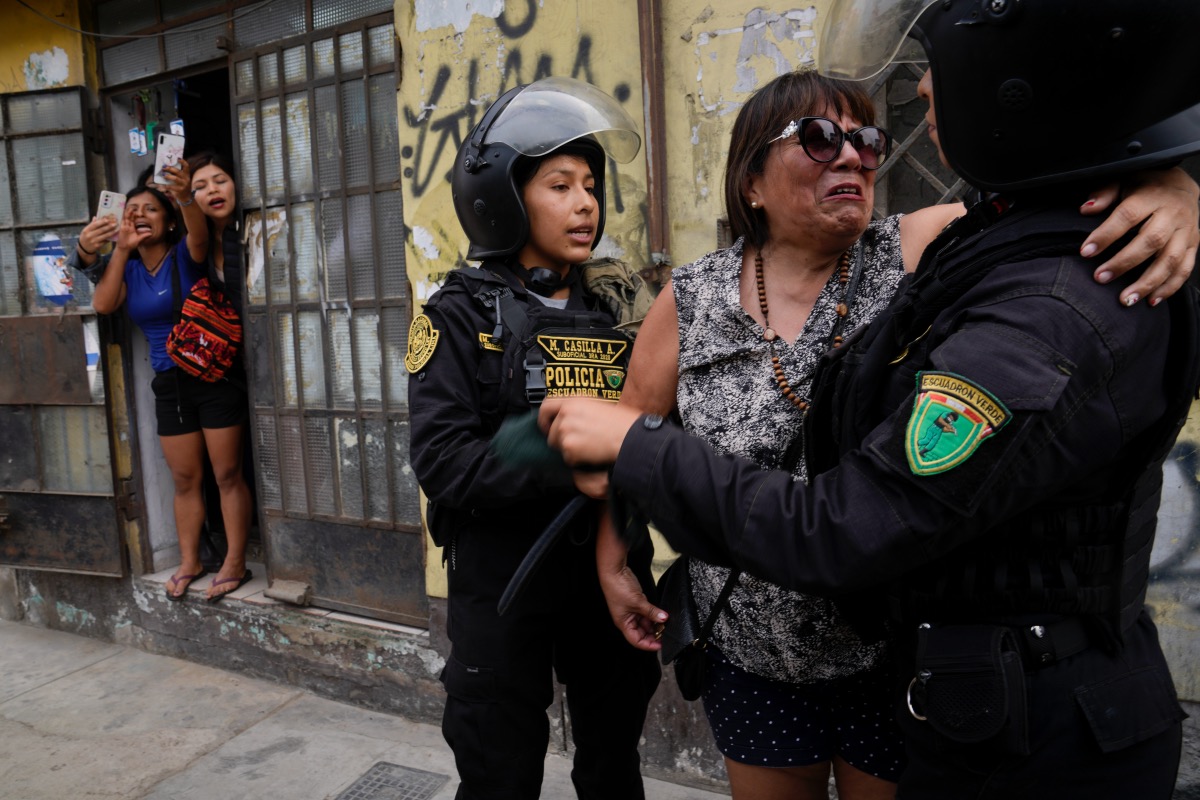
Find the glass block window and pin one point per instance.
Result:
(244, 76)
(173, 34)
(132, 60)
(44, 201)
(295, 65)
(194, 43)
(318, 149)
(323, 57)
(10, 280)
(50, 177)
(34, 113)
(269, 23)
(328, 13)
(6, 216)
(383, 46)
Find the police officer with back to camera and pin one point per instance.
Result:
(493, 342)
(989, 451)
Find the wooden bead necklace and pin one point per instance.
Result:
(769, 334)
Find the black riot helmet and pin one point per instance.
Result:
(549, 116)
(1037, 92)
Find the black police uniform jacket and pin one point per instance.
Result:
(469, 384)
(1003, 462)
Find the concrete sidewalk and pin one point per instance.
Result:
(81, 718)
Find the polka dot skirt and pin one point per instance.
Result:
(761, 722)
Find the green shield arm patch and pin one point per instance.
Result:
(422, 340)
(951, 417)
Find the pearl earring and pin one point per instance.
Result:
(754, 204)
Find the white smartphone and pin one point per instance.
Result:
(168, 152)
(112, 204)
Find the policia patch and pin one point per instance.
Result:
(422, 339)
(587, 364)
(951, 417)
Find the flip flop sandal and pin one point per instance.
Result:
(240, 582)
(186, 580)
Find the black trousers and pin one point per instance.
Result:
(499, 679)
(1101, 726)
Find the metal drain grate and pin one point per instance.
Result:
(386, 781)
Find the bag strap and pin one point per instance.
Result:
(177, 305)
(719, 606)
(176, 289)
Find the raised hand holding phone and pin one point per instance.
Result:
(168, 152)
(111, 205)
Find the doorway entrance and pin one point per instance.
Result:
(198, 106)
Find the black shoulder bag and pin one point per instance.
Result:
(684, 638)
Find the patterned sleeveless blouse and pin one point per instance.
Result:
(727, 395)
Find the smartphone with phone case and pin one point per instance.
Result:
(112, 204)
(168, 152)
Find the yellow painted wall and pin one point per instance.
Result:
(716, 55)
(457, 61)
(36, 53)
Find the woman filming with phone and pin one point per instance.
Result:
(153, 265)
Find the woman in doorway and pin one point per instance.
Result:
(150, 257)
(214, 191)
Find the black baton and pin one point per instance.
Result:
(537, 553)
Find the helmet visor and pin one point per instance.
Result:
(553, 111)
(861, 37)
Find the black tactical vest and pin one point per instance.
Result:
(544, 351)
(1086, 555)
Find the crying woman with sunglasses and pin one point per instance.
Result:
(731, 348)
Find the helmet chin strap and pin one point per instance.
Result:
(545, 282)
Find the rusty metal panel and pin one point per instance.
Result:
(61, 532)
(42, 360)
(74, 450)
(18, 459)
(379, 573)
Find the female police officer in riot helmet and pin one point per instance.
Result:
(1015, 550)
(529, 191)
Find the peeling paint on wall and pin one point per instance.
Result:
(716, 56)
(423, 241)
(431, 14)
(47, 69)
(458, 59)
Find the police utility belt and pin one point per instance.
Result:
(969, 680)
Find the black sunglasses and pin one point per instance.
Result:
(822, 140)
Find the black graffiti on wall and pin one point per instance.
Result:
(1177, 542)
(443, 126)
